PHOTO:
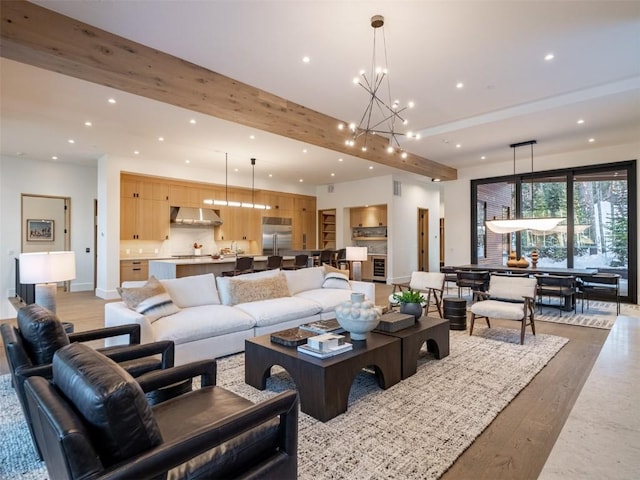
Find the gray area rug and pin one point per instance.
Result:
(598, 315)
(414, 430)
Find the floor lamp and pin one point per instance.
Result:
(357, 255)
(45, 269)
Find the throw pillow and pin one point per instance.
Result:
(331, 269)
(336, 280)
(193, 290)
(151, 300)
(244, 291)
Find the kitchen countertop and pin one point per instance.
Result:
(207, 259)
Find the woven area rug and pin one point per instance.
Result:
(413, 430)
(598, 315)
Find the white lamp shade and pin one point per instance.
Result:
(47, 267)
(357, 254)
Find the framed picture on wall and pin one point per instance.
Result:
(40, 230)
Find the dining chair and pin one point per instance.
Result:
(243, 265)
(300, 261)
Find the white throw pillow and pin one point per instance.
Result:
(336, 280)
(193, 291)
(151, 300)
(304, 279)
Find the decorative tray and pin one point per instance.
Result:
(292, 337)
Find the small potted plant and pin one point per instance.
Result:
(410, 302)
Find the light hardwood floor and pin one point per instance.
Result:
(516, 444)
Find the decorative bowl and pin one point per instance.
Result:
(358, 316)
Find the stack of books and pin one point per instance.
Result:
(323, 326)
(326, 345)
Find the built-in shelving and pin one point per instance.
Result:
(327, 229)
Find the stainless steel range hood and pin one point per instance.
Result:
(205, 217)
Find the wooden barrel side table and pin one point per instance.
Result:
(455, 310)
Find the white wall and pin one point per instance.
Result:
(18, 176)
(401, 217)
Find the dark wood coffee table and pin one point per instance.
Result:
(323, 384)
(434, 331)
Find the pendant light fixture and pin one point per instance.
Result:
(226, 201)
(381, 115)
(518, 224)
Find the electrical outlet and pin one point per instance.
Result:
(87, 250)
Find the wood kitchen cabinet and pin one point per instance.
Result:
(373, 216)
(134, 270)
(144, 209)
(239, 224)
(304, 223)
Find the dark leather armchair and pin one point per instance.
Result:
(30, 348)
(93, 422)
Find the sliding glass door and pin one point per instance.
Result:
(598, 230)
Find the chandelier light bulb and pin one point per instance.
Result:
(389, 149)
(356, 80)
(364, 149)
(404, 155)
(411, 104)
(405, 122)
(418, 136)
(378, 70)
(352, 127)
(410, 134)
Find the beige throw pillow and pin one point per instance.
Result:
(244, 291)
(331, 269)
(151, 300)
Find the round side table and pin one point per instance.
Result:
(455, 310)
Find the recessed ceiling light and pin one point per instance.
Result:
(252, 137)
(483, 157)
(370, 167)
(187, 161)
(591, 140)
(340, 160)
(271, 175)
(458, 145)
(435, 179)
(88, 124)
(136, 152)
(112, 101)
(459, 85)
(304, 150)
(301, 180)
(161, 139)
(306, 59)
(54, 157)
(333, 174)
(549, 56)
(580, 121)
(192, 121)
(235, 169)
(71, 140)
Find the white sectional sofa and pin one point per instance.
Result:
(209, 318)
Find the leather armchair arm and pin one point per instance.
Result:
(132, 329)
(45, 371)
(152, 381)
(123, 353)
(168, 455)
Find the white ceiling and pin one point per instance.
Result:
(511, 94)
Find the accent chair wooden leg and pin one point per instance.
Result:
(524, 325)
(473, 319)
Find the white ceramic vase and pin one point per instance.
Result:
(358, 316)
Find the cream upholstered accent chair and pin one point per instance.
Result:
(508, 298)
(431, 284)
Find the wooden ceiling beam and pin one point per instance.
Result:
(42, 38)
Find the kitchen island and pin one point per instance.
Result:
(185, 267)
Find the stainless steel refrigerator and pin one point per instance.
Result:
(276, 235)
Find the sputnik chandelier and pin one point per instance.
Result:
(380, 116)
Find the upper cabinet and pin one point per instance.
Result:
(144, 209)
(373, 216)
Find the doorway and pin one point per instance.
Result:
(45, 225)
(423, 240)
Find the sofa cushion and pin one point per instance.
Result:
(205, 321)
(498, 309)
(336, 280)
(42, 333)
(151, 300)
(304, 279)
(224, 285)
(253, 290)
(192, 291)
(279, 310)
(327, 298)
(111, 402)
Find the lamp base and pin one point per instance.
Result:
(46, 295)
(357, 270)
